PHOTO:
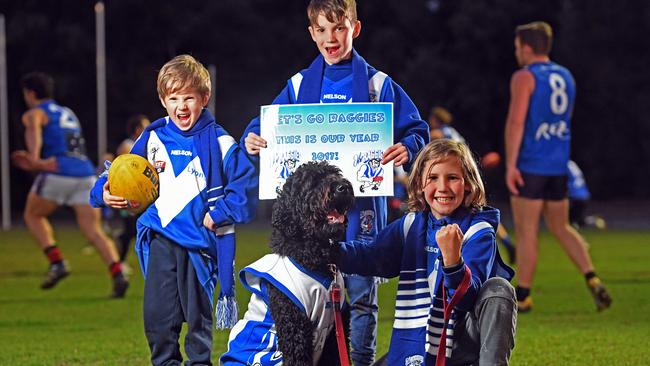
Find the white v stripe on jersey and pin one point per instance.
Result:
(175, 191)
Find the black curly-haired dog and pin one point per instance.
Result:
(308, 222)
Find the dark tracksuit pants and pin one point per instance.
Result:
(173, 295)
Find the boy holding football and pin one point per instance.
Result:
(186, 236)
(340, 74)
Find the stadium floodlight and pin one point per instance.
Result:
(100, 60)
(4, 130)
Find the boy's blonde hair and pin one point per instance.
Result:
(183, 72)
(332, 9)
(437, 151)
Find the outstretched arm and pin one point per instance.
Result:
(381, 257)
(294, 330)
(522, 85)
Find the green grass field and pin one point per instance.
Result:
(76, 324)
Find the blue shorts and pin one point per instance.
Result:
(544, 187)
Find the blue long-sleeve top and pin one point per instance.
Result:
(407, 248)
(479, 252)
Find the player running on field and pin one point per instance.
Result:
(56, 151)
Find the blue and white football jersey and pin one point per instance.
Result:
(545, 147)
(253, 340)
(62, 139)
(178, 212)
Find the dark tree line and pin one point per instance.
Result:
(456, 53)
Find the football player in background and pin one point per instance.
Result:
(56, 152)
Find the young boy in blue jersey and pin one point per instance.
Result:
(537, 145)
(452, 280)
(185, 239)
(57, 152)
(339, 74)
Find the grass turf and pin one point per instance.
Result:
(76, 324)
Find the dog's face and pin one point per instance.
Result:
(309, 215)
(339, 201)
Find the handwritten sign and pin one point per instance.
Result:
(352, 136)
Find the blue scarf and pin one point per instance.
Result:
(217, 263)
(310, 90)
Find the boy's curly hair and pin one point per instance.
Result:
(182, 72)
(332, 9)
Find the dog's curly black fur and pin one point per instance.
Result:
(301, 231)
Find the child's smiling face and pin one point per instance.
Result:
(334, 39)
(444, 186)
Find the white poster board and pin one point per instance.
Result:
(352, 136)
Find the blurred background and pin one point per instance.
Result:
(454, 53)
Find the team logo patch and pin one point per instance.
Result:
(159, 165)
(415, 360)
(367, 221)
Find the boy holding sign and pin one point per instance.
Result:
(340, 75)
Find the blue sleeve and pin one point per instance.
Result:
(381, 257)
(140, 145)
(239, 200)
(97, 192)
(285, 97)
(479, 254)
(408, 128)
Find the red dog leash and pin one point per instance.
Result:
(441, 357)
(338, 323)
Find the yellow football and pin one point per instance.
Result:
(131, 176)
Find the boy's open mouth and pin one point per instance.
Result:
(183, 116)
(331, 50)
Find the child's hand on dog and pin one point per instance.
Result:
(449, 240)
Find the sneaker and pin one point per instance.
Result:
(525, 305)
(56, 273)
(120, 285)
(599, 293)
